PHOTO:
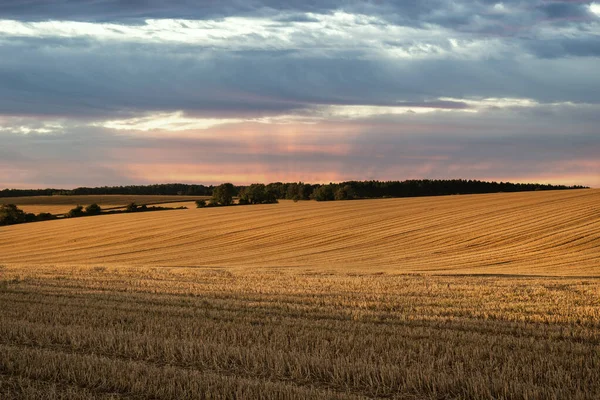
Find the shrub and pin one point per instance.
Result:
(200, 203)
(10, 214)
(75, 212)
(131, 207)
(45, 217)
(93, 209)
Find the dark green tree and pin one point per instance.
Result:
(255, 193)
(344, 193)
(93, 209)
(200, 203)
(131, 207)
(324, 193)
(258, 193)
(45, 217)
(243, 197)
(10, 214)
(279, 189)
(270, 196)
(75, 212)
(223, 194)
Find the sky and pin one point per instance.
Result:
(115, 92)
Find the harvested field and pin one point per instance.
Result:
(536, 233)
(188, 204)
(178, 333)
(341, 300)
(62, 204)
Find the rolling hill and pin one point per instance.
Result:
(534, 233)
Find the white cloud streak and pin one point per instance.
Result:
(164, 122)
(177, 121)
(319, 35)
(31, 125)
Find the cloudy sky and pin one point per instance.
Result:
(109, 92)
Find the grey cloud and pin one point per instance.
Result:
(498, 150)
(460, 15)
(451, 105)
(478, 18)
(11, 156)
(136, 11)
(564, 9)
(114, 81)
(296, 18)
(496, 156)
(563, 47)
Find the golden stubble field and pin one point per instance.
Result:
(460, 297)
(539, 233)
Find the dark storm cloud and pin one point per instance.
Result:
(115, 80)
(88, 77)
(128, 10)
(562, 9)
(454, 14)
(563, 47)
(296, 18)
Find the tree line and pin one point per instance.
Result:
(166, 189)
(416, 188)
(223, 195)
(260, 193)
(410, 188)
(10, 214)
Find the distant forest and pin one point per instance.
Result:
(304, 191)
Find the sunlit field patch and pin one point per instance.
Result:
(535, 233)
(184, 332)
